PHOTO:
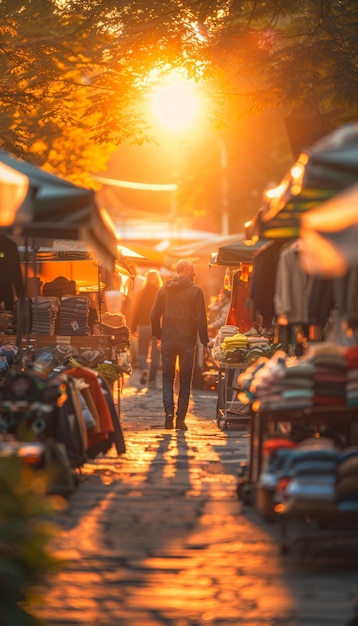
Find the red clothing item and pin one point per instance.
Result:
(351, 355)
(241, 310)
(106, 424)
(319, 400)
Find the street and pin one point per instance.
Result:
(159, 537)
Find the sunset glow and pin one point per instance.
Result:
(176, 104)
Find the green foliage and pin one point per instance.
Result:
(25, 533)
(294, 53)
(75, 74)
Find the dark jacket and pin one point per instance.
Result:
(179, 312)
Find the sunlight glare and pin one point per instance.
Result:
(176, 104)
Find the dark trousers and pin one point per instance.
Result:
(185, 354)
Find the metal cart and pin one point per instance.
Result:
(229, 409)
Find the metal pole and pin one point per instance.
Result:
(223, 188)
(173, 214)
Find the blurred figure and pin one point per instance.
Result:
(114, 300)
(137, 282)
(141, 327)
(218, 312)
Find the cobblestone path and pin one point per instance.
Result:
(158, 537)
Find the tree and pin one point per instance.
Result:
(302, 57)
(76, 73)
(44, 102)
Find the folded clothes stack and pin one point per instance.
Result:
(44, 314)
(225, 331)
(74, 316)
(347, 480)
(234, 348)
(234, 342)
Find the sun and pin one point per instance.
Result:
(176, 104)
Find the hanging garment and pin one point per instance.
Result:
(116, 437)
(11, 283)
(292, 287)
(321, 301)
(86, 393)
(262, 283)
(106, 423)
(69, 427)
(241, 308)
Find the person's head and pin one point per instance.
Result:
(185, 268)
(153, 277)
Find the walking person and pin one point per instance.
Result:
(141, 326)
(178, 316)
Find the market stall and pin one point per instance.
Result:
(49, 208)
(303, 405)
(69, 285)
(236, 253)
(87, 420)
(57, 277)
(303, 427)
(54, 208)
(238, 342)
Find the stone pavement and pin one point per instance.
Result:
(158, 536)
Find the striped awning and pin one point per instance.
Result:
(319, 173)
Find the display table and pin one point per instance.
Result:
(311, 526)
(229, 409)
(86, 342)
(265, 420)
(300, 523)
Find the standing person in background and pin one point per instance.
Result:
(219, 311)
(140, 324)
(137, 281)
(178, 316)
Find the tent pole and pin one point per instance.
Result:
(22, 321)
(99, 295)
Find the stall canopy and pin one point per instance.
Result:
(234, 254)
(72, 260)
(197, 250)
(77, 263)
(58, 209)
(322, 171)
(330, 235)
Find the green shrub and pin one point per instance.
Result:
(26, 530)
